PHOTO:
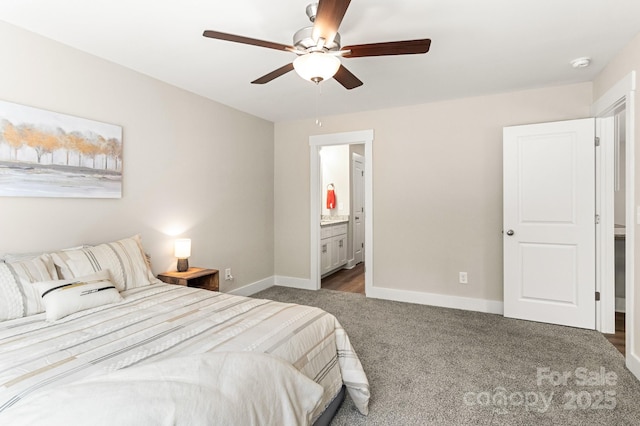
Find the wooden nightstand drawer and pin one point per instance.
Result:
(193, 277)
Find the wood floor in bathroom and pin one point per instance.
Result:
(618, 339)
(349, 280)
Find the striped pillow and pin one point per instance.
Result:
(18, 296)
(65, 297)
(124, 259)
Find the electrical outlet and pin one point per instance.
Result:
(227, 274)
(463, 278)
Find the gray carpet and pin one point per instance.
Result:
(429, 365)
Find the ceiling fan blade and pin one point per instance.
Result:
(328, 19)
(347, 79)
(246, 40)
(407, 47)
(273, 74)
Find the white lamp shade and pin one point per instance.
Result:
(316, 66)
(183, 248)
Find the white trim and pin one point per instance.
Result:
(605, 259)
(442, 300)
(253, 288)
(346, 138)
(432, 299)
(614, 96)
(620, 304)
(624, 92)
(630, 235)
(315, 143)
(292, 282)
(355, 158)
(633, 363)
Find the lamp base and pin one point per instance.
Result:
(183, 265)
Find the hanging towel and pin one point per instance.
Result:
(331, 197)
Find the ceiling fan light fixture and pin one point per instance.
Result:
(316, 66)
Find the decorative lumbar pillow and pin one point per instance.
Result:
(124, 259)
(65, 297)
(18, 295)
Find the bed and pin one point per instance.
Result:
(164, 354)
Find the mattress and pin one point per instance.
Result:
(163, 321)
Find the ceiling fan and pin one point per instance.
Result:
(318, 47)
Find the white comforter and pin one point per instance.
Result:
(162, 322)
(232, 388)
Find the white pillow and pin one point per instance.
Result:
(18, 296)
(65, 297)
(17, 257)
(125, 260)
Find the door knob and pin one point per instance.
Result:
(510, 232)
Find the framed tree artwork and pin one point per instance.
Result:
(48, 154)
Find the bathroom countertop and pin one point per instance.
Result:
(333, 221)
(326, 220)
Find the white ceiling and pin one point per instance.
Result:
(478, 47)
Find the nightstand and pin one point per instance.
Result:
(193, 277)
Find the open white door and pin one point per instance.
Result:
(549, 222)
(358, 209)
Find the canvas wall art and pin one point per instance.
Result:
(47, 154)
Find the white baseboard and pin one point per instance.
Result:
(442, 300)
(620, 304)
(301, 283)
(253, 288)
(633, 363)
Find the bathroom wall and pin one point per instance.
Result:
(335, 169)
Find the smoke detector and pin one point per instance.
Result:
(581, 62)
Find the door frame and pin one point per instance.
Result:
(315, 187)
(605, 248)
(355, 157)
(621, 93)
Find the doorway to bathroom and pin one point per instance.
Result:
(341, 213)
(342, 241)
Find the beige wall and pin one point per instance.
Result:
(437, 187)
(626, 61)
(191, 166)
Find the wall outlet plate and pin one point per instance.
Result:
(227, 274)
(462, 278)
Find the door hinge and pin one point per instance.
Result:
(597, 296)
(362, 173)
(597, 141)
(597, 219)
(362, 245)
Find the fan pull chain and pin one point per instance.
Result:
(318, 122)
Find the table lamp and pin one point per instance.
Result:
(182, 252)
